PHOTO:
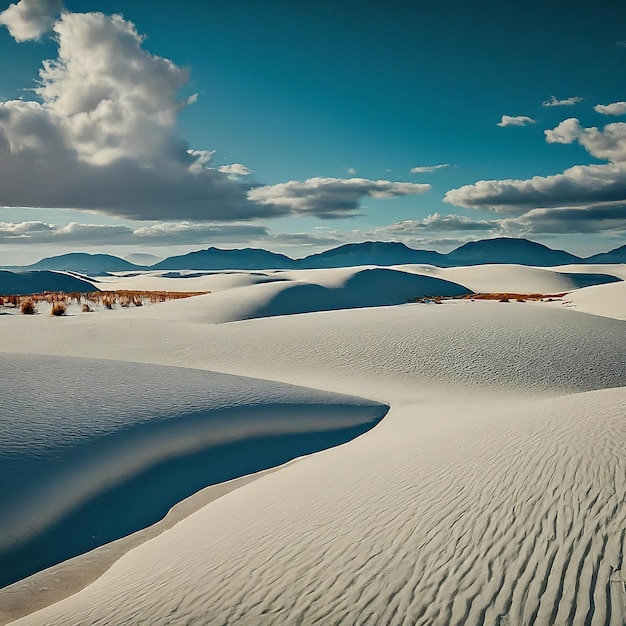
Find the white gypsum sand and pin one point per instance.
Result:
(492, 492)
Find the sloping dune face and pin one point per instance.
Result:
(606, 300)
(25, 283)
(518, 279)
(124, 442)
(307, 291)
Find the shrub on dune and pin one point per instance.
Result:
(86, 308)
(27, 307)
(58, 309)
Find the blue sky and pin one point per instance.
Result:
(305, 121)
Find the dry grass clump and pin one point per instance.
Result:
(427, 299)
(106, 299)
(519, 297)
(499, 297)
(27, 307)
(127, 297)
(58, 309)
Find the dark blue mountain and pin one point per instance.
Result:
(382, 253)
(83, 263)
(218, 259)
(509, 250)
(617, 255)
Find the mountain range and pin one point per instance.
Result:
(498, 250)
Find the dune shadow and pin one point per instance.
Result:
(140, 499)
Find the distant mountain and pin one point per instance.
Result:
(618, 255)
(382, 253)
(218, 259)
(26, 283)
(509, 250)
(83, 263)
(142, 258)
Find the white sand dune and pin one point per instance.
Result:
(241, 296)
(614, 269)
(505, 346)
(521, 279)
(183, 281)
(605, 300)
(493, 492)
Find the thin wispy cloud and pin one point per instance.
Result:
(428, 169)
(615, 108)
(553, 101)
(438, 222)
(235, 169)
(162, 233)
(516, 120)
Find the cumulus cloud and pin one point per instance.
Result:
(235, 169)
(517, 120)
(578, 186)
(103, 135)
(330, 198)
(607, 144)
(163, 233)
(553, 101)
(428, 169)
(615, 108)
(30, 19)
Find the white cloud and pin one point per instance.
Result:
(103, 137)
(608, 144)
(518, 120)
(235, 169)
(568, 220)
(330, 197)
(615, 108)
(351, 171)
(428, 169)
(567, 102)
(584, 198)
(30, 19)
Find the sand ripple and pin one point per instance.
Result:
(518, 519)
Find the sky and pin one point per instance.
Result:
(135, 126)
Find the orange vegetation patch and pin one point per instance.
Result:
(518, 297)
(499, 297)
(107, 299)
